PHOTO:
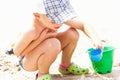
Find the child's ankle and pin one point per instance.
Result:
(40, 74)
(65, 67)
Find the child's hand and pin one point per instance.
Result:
(98, 44)
(36, 15)
(47, 33)
(46, 22)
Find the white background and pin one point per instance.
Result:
(103, 14)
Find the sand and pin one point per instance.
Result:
(10, 70)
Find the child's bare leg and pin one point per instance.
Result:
(43, 56)
(68, 40)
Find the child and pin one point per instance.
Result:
(39, 46)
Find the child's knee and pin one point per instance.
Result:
(54, 45)
(73, 34)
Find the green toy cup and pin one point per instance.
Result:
(105, 64)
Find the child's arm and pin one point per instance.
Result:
(88, 30)
(22, 42)
(46, 33)
(28, 41)
(28, 36)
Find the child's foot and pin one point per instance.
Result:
(73, 69)
(43, 77)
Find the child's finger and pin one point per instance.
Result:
(37, 15)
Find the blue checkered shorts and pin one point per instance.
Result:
(59, 11)
(20, 60)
